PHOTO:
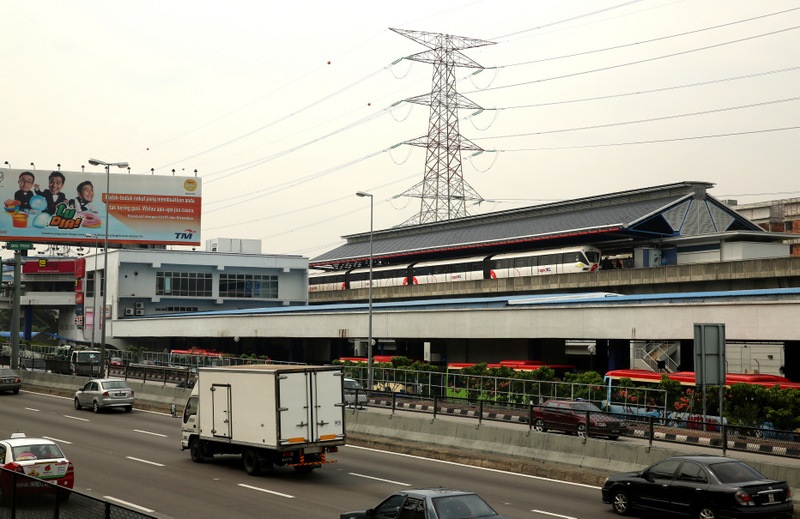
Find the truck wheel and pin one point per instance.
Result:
(252, 465)
(196, 450)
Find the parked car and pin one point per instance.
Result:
(571, 416)
(702, 487)
(354, 393)
(36, 457)
(429, 503)
(102, 393)
(10, 380)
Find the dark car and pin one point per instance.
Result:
(429, 503)
(571, 416)
(701, 487)
(10, 380)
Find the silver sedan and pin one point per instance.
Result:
(104, 393)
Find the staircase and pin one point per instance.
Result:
(655, 352)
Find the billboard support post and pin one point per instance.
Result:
(709, 360)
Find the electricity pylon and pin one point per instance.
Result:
(443, 190)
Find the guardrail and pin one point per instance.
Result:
(691, 429)
(26, 496)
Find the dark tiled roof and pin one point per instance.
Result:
(668, 210)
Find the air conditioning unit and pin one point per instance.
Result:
(129, 311)
(140, 306)
(139, 312)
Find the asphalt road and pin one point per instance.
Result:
(135, 458)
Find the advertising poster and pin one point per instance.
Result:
(43, 206)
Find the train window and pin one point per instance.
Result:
(573, 257)
(530, 261)
(504, 263)
(593, 256)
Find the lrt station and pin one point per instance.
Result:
(655, 262)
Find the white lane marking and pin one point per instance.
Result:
(76, 418)
(150, 433)
(31, 409)
(131, 505)
(529, 476)
(72, 398)
(266, 491)
(56, 440)
(378, 479)
(552, 514)
(145, 461)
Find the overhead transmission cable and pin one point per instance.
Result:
(639, 121)
(638, 62)
(643, 42)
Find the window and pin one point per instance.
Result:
(413, 508)
(183, 284)
(692, 472)
(253, 286)
(663, 470)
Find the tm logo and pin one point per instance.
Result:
(186, 234)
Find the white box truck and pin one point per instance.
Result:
(271, 415)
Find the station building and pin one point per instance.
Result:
(231, 298)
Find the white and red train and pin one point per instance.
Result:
(510, 265)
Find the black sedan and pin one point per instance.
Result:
(701, 487)
(428, 503)
(10, 380)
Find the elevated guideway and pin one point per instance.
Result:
(729, 275)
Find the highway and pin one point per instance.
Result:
(135, 459)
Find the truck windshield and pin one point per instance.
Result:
(190, 409)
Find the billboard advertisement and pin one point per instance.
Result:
(44, 206)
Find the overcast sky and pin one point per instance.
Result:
(286, 109)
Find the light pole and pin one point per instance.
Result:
(369, 331)
(95, 162)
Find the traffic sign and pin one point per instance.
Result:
(20, 245)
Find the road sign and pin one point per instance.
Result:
(20, 245)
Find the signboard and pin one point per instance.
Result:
(49, 266)
(44, 206)
(20, 245)
(709, 354)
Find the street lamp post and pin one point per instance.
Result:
(369, 331)
(107, 165)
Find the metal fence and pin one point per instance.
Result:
(674, 427)
(25, 497)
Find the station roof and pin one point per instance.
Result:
(668, 211)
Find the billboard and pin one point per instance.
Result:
(44, 206)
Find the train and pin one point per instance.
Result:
(497, 266)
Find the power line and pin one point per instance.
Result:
(652, 40)
(638, 62)
(654, 141)
(649, 120)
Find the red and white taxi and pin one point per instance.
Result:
(35, 457)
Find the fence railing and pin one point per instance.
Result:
(25, 496)
(682, 428)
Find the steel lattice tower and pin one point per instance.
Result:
(443, 190)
